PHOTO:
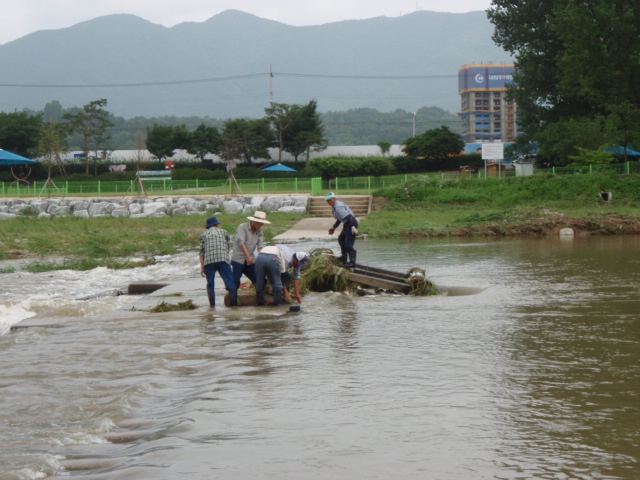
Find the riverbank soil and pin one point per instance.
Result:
(551, 224)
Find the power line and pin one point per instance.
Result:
(232, 78)
(369, 77)
(140, 84)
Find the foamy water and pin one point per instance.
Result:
(536, 377)
(71, 293)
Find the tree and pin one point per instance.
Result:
(163, 140)
(304, 132)
(204, 140)
(51, 144)
(91, 122)
(561, 139)
(622, 126)
(19, 132)
(281, 116)
(573, 59)
(435, 144)
(591, 157)
(246, 139)
(53, 112)
(384, 148)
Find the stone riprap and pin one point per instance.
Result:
(149, 207)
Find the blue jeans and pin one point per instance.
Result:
(240, 268)
(227, 277)
(268, 265)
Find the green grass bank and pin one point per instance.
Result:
(535, 205)
(423, 207)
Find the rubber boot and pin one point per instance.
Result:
(233, 298)
(352, 260)
(212, 297)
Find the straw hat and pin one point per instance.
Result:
(259, 217)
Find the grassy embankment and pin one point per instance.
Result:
(468, 207)
(112, 242)
(515, 206)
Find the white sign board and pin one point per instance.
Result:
(492, 151)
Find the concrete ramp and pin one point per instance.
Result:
(312, 228)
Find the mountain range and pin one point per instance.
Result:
(234, 64)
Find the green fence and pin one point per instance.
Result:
(274, 186)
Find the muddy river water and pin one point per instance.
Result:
(537, 376)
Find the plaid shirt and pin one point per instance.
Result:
(215, 244)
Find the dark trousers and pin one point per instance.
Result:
(268, 265)
(249, 271)
(227, 277)
(347, 240)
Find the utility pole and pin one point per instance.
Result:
(414, 123)
(270, 86)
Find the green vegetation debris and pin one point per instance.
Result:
(324, 274)
(170, 307)
(420, 284)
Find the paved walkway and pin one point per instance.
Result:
(312, 228)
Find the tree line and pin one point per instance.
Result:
(577, 73)
(295, 129)
(358, 126)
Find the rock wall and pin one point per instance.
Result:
(149, 207)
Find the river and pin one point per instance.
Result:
(536, 377)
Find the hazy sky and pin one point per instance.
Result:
(21, 17)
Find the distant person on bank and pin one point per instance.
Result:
(347, 238)
(249, 237)
(215, 244)
(274, 262)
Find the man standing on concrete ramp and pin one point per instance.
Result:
(347, 237)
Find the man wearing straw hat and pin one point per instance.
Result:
(249, 236)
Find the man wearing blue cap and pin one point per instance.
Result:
(347, 237)
(215, 244)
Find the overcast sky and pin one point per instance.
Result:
(21, 17)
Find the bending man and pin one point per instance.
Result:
(274, 261)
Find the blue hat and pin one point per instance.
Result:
(212, 222)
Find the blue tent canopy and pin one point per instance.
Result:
(278, 167)
(9, 159)
(619, 151)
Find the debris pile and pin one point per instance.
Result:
(325, 273)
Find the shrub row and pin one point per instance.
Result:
(327, 168)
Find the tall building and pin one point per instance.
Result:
(486, 114)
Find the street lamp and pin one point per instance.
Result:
(414, 124)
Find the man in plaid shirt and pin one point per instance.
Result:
(215, 244)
